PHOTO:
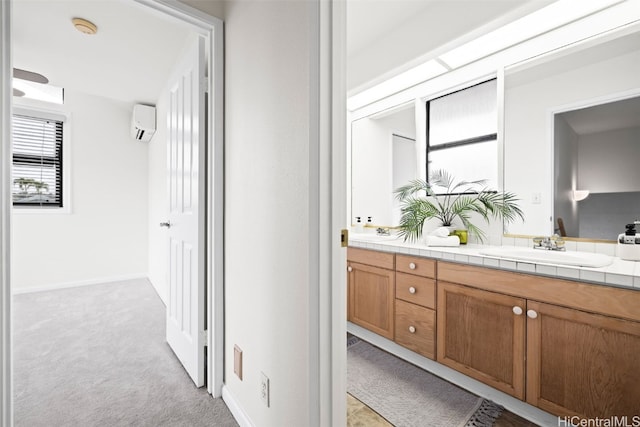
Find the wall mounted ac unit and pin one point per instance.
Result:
(143, 122)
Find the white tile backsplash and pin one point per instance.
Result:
(462, 258)
(618, 279)
(606, 249)
(508, 265)
(448, 256)
(508, 241)
(523, 242)
(549, 270)
(592, 276)
(569, 273)
(619, 273)
(586, 246)
(476, 260)
(526, 267)
(491, 262)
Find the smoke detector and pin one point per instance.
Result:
(84, 26)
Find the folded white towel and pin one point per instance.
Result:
(440, 232)
(443, 241)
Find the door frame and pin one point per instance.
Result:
(6, 412)
(328, 207)
(212, 29)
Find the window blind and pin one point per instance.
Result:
(37, 161)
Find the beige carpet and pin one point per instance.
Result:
(96, 356)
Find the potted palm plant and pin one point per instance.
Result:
(447, 200)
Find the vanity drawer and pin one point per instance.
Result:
(416, 265)
(416, 328)
(368, 257)
(416, 289)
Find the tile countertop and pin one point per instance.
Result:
(620, 273)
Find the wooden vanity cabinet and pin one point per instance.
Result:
(582, 340)
(371, 290)
(481, 335)
(415, 317)
(581, 363)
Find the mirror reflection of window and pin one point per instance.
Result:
(462, 133)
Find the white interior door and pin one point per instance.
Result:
(186, 164)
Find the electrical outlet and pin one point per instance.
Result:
(264, 388)
(237, 361)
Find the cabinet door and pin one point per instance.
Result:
(481, 335)
(582, 364)
(371, 297)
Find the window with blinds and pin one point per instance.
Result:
(37, 161)
(462, 133)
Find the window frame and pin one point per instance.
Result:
(64, 117)
(455, 143)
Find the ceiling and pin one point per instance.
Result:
(384, 37)
(131, 56)
(129, 59)
(624, 114)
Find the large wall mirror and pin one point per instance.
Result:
(384, 156)
(572, 138)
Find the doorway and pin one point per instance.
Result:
(211, 29)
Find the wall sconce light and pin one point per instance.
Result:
(580, 195)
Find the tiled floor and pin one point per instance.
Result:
(360, 415)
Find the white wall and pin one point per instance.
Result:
(105, 235)
(528, 139)
(158, 200)
(372, 164)
(609, 161)
(267, 160)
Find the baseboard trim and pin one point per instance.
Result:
(65, 285)
(238, 413)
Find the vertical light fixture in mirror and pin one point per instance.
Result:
(384, 153)
(547, 155)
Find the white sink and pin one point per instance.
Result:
(371, 237)
(579, 259)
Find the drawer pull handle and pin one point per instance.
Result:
(517, 310)
(349, 269)
(412, 265)
(532, 314)
(412, 329)
(412, 290)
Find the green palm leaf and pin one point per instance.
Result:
(421, 200)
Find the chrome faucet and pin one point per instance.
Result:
(552, 243)
(383, 231)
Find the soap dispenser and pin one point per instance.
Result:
(359, 228)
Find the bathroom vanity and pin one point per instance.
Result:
(568, 347)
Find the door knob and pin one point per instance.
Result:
(517, 310)
(532, 314)
(165, 224)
